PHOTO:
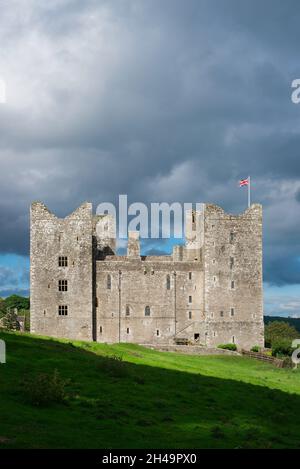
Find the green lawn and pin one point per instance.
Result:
(149, 400)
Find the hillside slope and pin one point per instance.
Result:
(148, 399)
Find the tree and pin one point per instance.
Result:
(10, 321)
(16, 301)
(279, 331)
(2, 308)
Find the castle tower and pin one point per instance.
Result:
(233, 284)
(61, 273)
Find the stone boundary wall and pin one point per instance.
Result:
(191, 349)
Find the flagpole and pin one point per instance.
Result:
(249, 191)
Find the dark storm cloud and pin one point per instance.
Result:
(160, 100)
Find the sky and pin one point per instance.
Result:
(163, 100)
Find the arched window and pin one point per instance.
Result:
(109, 282)
(127, 310)
(147, 311)
(168, 282)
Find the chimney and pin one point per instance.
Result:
(133, 247)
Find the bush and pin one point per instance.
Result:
(288, 362)
(282, 348)
(45, 389)
(231, 347)
(115, 367)
(256, 348)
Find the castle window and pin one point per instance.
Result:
(232, 284)
(62, 261)
(231, 262)
(63, 310)
(168, 282)
(190, 314)
(108, 282)
(233, 339)
(190, 275)
(232, 312)
(63, 285)
(157, 332)
(127, 311)
(222, 314)
(100, 329)
(190, 299)
(96, 303)
(147, 311)
(127, 330)
(231, 237)
(193, 217)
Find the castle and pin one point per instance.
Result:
(208, 292)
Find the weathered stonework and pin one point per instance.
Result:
(208, 291)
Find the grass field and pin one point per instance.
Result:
(149, 399)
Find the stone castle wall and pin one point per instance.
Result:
(148, 299)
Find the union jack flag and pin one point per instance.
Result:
(244, 182)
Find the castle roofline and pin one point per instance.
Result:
(38, 207)
(220, 210)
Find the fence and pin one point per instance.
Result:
(266, 358)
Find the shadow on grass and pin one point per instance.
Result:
(116, 404)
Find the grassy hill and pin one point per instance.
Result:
(148, 399)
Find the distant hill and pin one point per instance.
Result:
(292, 321)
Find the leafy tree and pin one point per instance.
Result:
(10, 321)
(282, 347)
(2, 307)
(16, 301)
(279, 331)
